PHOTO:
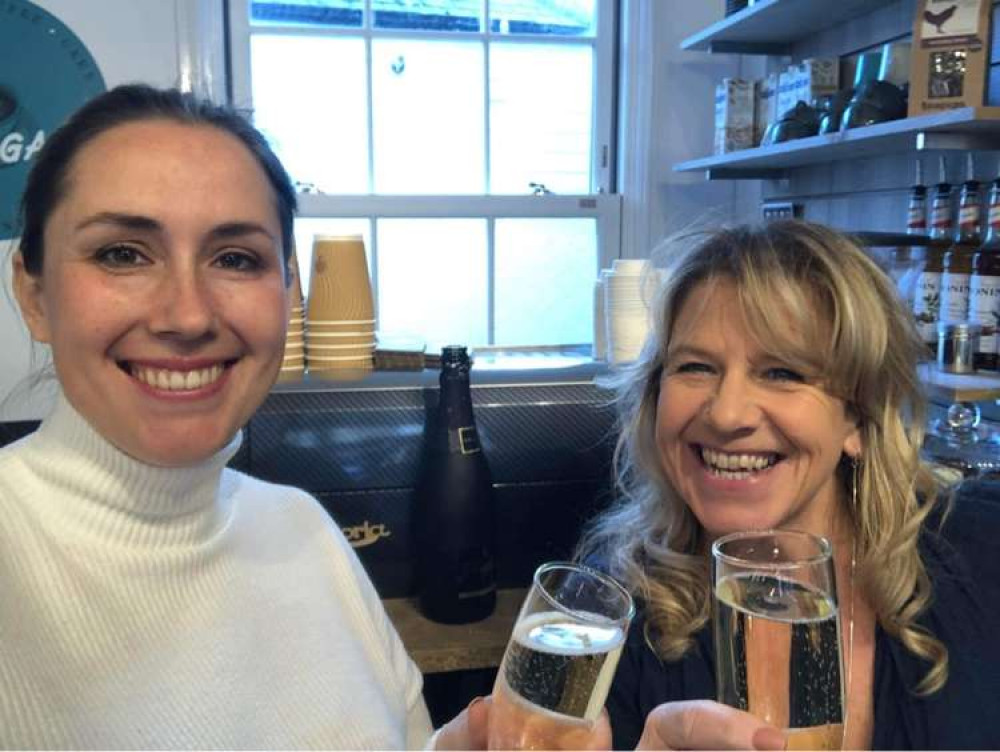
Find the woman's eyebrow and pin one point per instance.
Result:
(120, 219)
(140, 222)
(688, 351)
(240, 229)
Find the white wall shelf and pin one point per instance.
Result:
(946, 388)
(771, 27)
(966, 128)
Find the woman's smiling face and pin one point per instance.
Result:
(162, 292)
(747, 442)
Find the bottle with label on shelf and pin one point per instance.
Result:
(916, 210)
(911, 259)
(957, 262)
(927, 292)
(984, 288)
(454, 515)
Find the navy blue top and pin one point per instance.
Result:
(963, 561)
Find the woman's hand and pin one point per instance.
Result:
(467, 730)
(703, 724)
(470, 730)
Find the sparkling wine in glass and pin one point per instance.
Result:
(777, 633)
(562, 654)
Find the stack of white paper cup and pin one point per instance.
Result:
(600, 322)
(626, 311)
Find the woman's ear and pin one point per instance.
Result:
(853, 444)
(28, 291)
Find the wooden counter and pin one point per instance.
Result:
(446, 647)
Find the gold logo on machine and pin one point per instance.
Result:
(366, 533)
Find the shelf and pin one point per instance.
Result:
(965, 128)
(770, 27)
(947, 388)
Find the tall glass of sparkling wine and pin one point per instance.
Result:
(558, 665)
(777, 633)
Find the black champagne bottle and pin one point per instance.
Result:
(455, 508)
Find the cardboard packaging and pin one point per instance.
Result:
(734, 108)
(765, 105)
(804, 81)
(814, 77)
(787, 94)
(950, 56)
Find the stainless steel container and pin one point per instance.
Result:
(957, 345)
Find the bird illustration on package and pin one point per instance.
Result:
(940, 18)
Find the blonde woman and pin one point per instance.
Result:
(780, 391)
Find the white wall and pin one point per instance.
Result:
(669, 114)
(160, 42)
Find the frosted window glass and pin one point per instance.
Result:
(428, 117)
(349, 13)
(559, 18)
(545, 272)
(541, 99)
(453, 15)
(432, 280)
(310, 101)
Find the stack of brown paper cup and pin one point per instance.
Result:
(340, 318)
(293, 365)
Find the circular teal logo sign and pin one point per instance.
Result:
(46, 73)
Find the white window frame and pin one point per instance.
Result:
(603, 205)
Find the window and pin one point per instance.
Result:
(468, 141)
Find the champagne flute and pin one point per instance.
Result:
(777, 633)
(557, 669)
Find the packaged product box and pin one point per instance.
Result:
(765, 105)
(950, 55)
(787, 93)
(734, 106)
(816, 76)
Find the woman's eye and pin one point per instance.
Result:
(238, 260)
(783, 374)
(693, 367)
(121, 256)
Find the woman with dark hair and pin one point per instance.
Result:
(780, 391)
(153, 598)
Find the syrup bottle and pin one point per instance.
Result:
(927, 295)
(984, 288)
(957, 262)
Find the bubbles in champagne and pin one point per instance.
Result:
(778, 652)
(561, 665)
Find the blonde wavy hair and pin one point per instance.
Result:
(791, 277)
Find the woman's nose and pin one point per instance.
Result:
(184, 306)
(733, 406)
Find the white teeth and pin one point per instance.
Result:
(177, 381)
(736, 465)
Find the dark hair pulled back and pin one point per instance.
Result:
(46, 183)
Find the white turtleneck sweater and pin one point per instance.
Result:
(144, 607)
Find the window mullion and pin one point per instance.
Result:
(491, 308)
(370, 96)
(488, 187)
(602, 154)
